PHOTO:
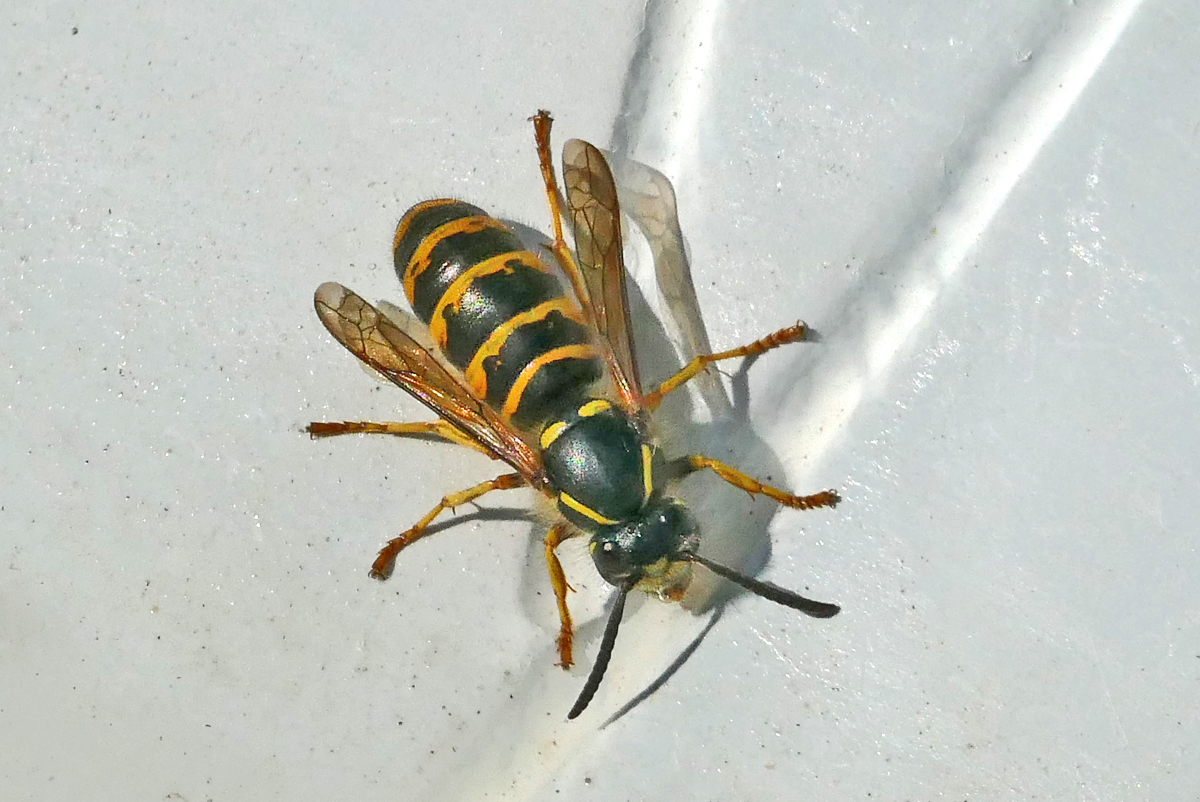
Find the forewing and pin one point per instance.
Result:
(591, 196)
(379, 343)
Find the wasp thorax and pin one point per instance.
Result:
(601, 463)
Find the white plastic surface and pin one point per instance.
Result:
(987, 211)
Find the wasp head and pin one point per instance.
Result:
(652, 551)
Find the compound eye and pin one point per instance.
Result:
(612, 561)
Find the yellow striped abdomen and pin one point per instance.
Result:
(495, 309)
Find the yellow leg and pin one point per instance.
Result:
(438, 428)
(566, 260)
(541, 129)
(782, 337)
(566, 633)
(698, 462)
(386, 561)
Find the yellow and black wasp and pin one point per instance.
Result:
(547, 382)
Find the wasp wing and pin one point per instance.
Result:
(649, 200)
(591, 196)
(372, 337)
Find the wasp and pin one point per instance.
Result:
(546, 380)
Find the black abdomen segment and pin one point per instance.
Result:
(495, 310)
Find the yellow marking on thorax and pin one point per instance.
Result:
(647, 470)
(419, 262)
(581, 351)
(594, 407)
(552, 432)
(476, 376)
(454, 293)
(584, 510)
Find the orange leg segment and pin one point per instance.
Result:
(541, 129)
(386, 561)
(699, 462)
(439, 428)
(566, 633)
(782, 337)
(542, 122)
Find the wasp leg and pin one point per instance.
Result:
(562, 254)
(566, 633)
(541, 129)
(438, 428)
(698, 462)
(386, 561)
(782, 337)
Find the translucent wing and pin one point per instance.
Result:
(591, 197)
(372, 337)
(649, 200)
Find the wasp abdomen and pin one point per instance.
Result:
(495, 310)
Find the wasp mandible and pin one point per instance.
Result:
(547, 381)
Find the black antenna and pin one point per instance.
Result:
(768, 591)
(602, 657)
